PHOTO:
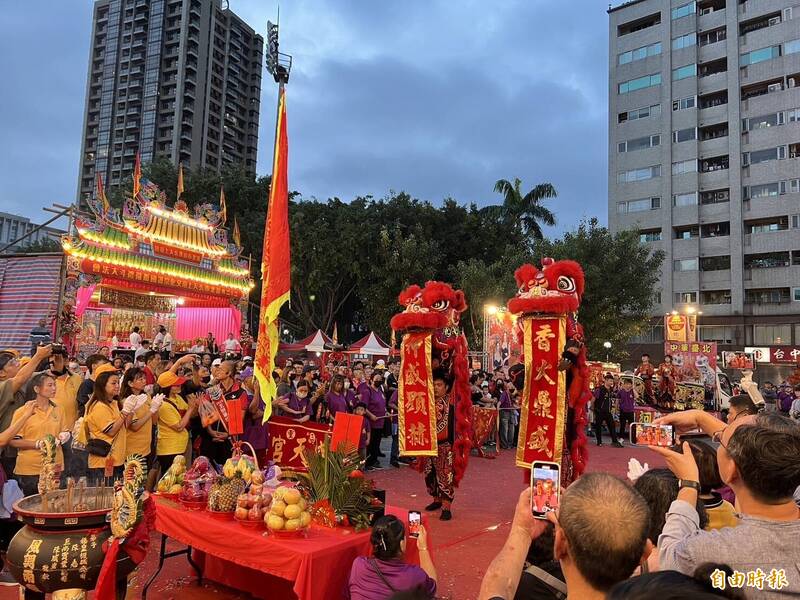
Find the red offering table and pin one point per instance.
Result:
(312, 568)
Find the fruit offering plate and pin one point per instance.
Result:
(251, 524)
(193, 504)
(221, 515)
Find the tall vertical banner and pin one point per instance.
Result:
(543, 413)
(416, 409)
(680, 328)
(275, 263)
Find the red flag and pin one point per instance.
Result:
(275, 263)
(137, 176)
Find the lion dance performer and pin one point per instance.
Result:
(434, 417)
(556, 386)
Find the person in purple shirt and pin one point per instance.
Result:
(360, 409)
(336, 398)
(298, 406)
(627, 401)
(385, 573)
(376, 411)
(256, 432)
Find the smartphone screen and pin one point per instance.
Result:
(647, 434)
(545, 488)
(414, 523)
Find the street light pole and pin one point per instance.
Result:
(607, 346)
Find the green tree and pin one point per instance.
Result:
(621, 277)
(42, 245)
(484, 285)
(523, 211)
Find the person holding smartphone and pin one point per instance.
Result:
(385, 573)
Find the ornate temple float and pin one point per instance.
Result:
(152, 266)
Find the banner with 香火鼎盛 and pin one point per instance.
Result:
(543, 410)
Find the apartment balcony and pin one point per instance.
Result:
(711, 20)
(714, 213)
(713, 146)
(770, 308)
(717, 310)
(771, 277)
(713, 51)
(773, 241)
(715, 280)
(712, 83)
(754, 8)
(714, 179)
(712, 246)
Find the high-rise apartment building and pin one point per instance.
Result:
(704, 159)
(173, 78)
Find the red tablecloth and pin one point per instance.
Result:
(246, 559)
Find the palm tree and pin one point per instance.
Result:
(525, 212)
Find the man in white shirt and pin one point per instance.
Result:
(167, 343)
(232, 344)
(158, 340)
(135, 339)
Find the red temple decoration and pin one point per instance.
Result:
(154, 266)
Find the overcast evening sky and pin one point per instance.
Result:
(436, 98)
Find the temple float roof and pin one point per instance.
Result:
(154, 246)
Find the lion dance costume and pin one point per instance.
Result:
(556, 387)
(438, 430)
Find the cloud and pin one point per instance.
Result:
(435, 98)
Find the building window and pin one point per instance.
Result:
(717, 163)
(684, 103)
(771, 335)
(639, 24)
(763, 190)
(712, 37)
(711, 230)
(686, 199)
(638, 205)
(795, 221)
(639, 174)
(649, 141)
(685, 166)
(716, 297)
(639, 83)
(650, 335)
(641, 113)
(767, 225)
(766, 260)
(685, 297)
(684, 41)
(767, 154)
(684, 72)
(796, 298)
(639, 53)
(651, 235)
(684, 264)
(763, 122)
(687, 233)
(684, 10)
(722, 334)
(715, 263)
(791, 47)
(684, 135)
(760, 55)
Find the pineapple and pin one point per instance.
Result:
(224, 492)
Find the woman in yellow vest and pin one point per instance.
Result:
(106, 425)
(174, 415)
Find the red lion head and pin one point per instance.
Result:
(436, 306)
(555, 289)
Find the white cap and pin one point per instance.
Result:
(217, 362)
